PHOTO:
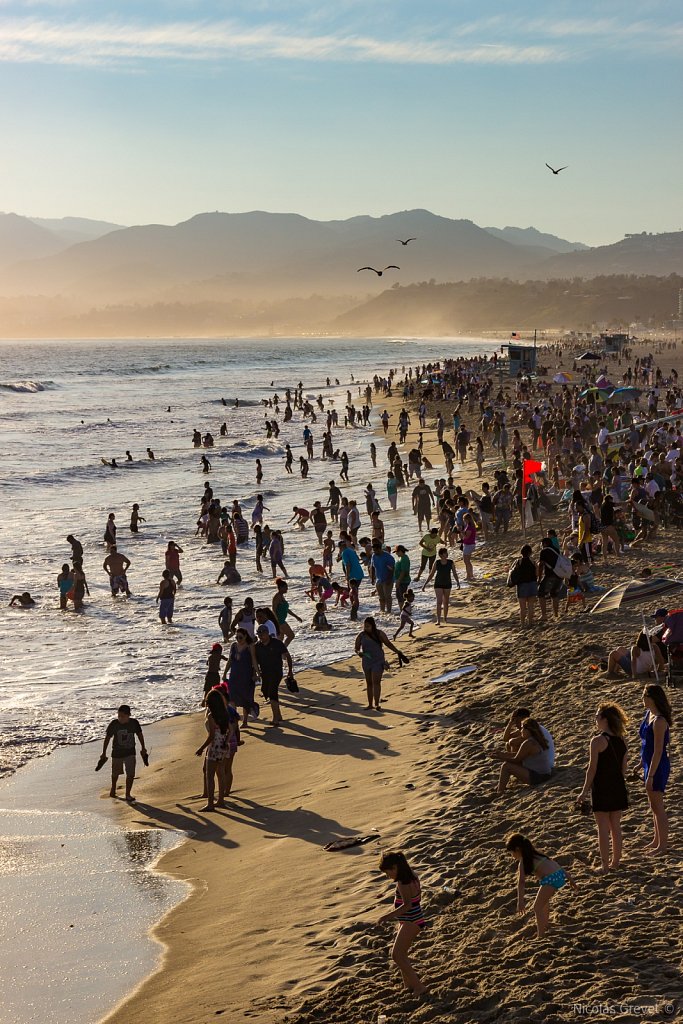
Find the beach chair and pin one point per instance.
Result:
(673, 640)
(674, 665)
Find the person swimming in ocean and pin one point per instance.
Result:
(129, 457)
(206, 465)
(150, 454)
(112, 464)
(23, 600)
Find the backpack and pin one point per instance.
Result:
(513, 575)
(562, 567)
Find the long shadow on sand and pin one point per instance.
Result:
(297, 824)
(336, 741)
(341, 708)
(201, 828)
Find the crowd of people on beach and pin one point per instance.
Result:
(552, 451)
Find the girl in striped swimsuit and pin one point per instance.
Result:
(408, 915)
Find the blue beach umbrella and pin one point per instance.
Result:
(624, 395)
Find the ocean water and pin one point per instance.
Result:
(66, 405)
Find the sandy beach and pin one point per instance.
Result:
(278, 930)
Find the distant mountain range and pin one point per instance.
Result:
(220, 256)
(247, 269)
(531, 236)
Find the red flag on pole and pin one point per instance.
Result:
(530, 466)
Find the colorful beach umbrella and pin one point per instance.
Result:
(595, 393)
(603, 383)
(562, 378)
(624, 395)
(632, 591)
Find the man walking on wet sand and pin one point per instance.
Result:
(123, 731)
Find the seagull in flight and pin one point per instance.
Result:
(406, 241)
(392, 266)
(558, 169)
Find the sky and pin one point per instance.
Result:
(151, 112)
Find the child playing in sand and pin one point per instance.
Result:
(407, 614)
(550, 875)
(319, 621)
(408, 915)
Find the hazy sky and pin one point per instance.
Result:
(142, 111)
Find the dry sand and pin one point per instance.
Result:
(278, 930)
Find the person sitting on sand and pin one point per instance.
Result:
(637, 660)
(530, 756)
(23, 600)
(408, 915)
(551, 877)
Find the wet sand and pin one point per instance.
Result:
(279, 930)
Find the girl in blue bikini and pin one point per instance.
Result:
(550, 875)
(407, 914)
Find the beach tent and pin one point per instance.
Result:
(590, 355)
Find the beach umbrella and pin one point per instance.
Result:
(595, 393)
(562, 378)
(590, 355)
(624, 395)
(603, 383)
(633, 591)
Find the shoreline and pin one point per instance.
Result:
(298, 924)
(77, 864)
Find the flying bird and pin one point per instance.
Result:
(558, 169)
(392, 266)
(406, 241)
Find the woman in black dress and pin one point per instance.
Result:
(605, 781)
